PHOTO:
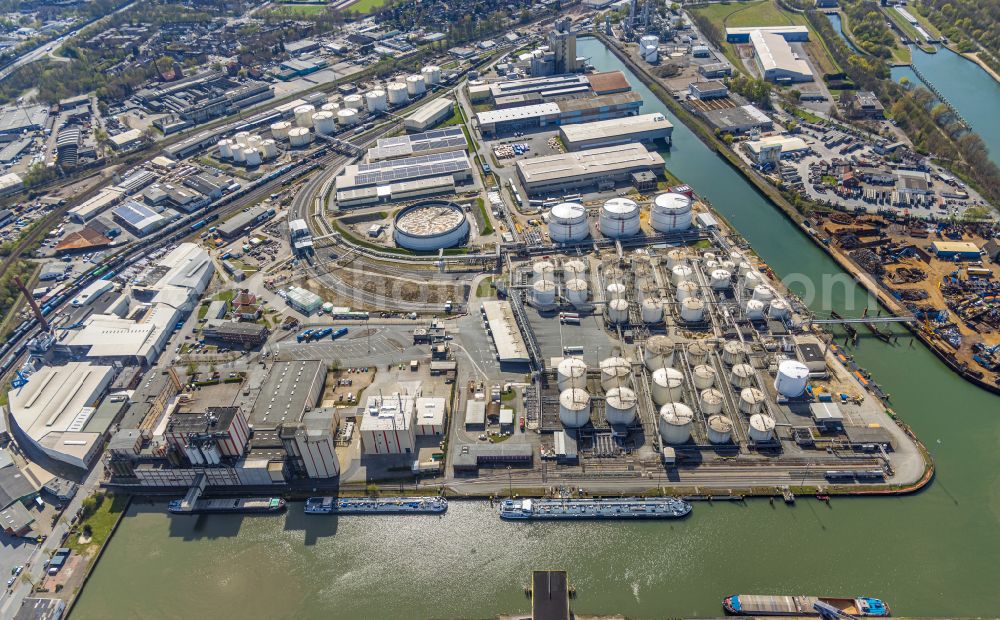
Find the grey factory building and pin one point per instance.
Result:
(601, 167)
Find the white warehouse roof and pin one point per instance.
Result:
(617, 127)
(506, 333)
(106, 336)
(519, 113)
(775, 54)
(598, 161)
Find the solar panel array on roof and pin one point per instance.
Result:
(398, 146)
(437, 164)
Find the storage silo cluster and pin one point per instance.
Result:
(432, 75)
(575, 286)
(247, 149)
(649, 48)
(397, 93)
(415, 85)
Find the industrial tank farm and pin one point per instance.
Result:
(430, 225)
(568, 223)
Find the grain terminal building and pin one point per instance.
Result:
(599, 167)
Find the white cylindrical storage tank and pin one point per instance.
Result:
(299, 136)
(574, 268)
(329, 107)
(680, 273)
(648, 42)
(751, 400)
(544, 292)
(325, 123)
(697, 353)
(675, 257)
(618, 311)
(431, 225)
(763, 293)
(269, 149)
(720, 429)
(574, 407)
(743, 268)
(675, 422)
(651, 310)
(733, 352)
(710, 400)
(752, 280)
(254, 141)
(568, 223)
(571, 373)
(225, 149)
(620, 406)
(755, 310)
(761, 427)
(376, 101)
(692, 310)
(615, 372)
(670, 213)
(667, 385)
(619, 218)
(792, 378)
(615, 290)
(543, 270)
(242, 138)
(576, 291)
(707, 256)
(658, 352)
(251, 157)
(686, 289)
(415, 85)
(703, 376)
(779, 309)
(720, 279)
(348, 117)
(397, 93)
(354, 102)
(304, 115)
(741, 376)
(239, 154)
(432, 75)
(280, 130)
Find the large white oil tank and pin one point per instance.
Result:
(269, 149)
(354, 102)
(415, 85)
(620, 406)
(543, 270)
(280, 130)
(618, 311)
(709, 256)
(697, 353)
(752, 280)
(568, 223)
(242, 138)
(571, 373)
(667, 385)
(675, 257)
(325, 123)
(710, 401)
(651, 310)
(329, 107)
(686, 289)
(751, 400)
(432, 75)
(763, 293)
(397, 93)
(743, 268)
(576, 291)
(755, 309)
(779, 309)
(239, 155)
(225, 149)
(574, 268)
(299, 136)
(574, 407)
(680, 273)
(720, 429)
(658, 352)
(761, 427)
(544, 292)
(720, 279)
(703, 376)
(303, 115)
(376, 101)
(733, 352)
(348, 117)
(251, 156)
(675, 422)
(648, 48)
(615, 372)
(692, 310)
(742, 376)
(670, 213)
(615, 290)
(792, 378)
(619, 218)
(254, 141)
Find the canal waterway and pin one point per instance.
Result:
(930, 554)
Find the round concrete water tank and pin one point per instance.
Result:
(692, 310)
(720, 429)
(251, 156)
(697, 353)
(415, 85)
(710, 400)
(779, 309)
(615, 290)
(761, 427)
(763, 293)
(670, 213)
(733, 352)
(397, 93)
(658, 352)
(299, 136)
(376, 101)
(619, 218)
(741, 376)
(325, 123)
(675, 422)
(720, 279)
(686, 289)
(651, 310)
(303, 115)
(280, 130)
(615, 372)
(751, 400)
(571, 373)
(618, 311)
(752, 280)
(667, 385)
(568, 223)
(577, 291)
(675, 257)
(755, 309)
(354, 102)
(544, 292)
(574, 407)
(620, 406)
(703, 376)
(348, 117)
(432, 75)
(225, 149)
(792, 378)
(680, 273)
(269, 149)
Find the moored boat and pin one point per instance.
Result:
(242, 505)
(783, 605)
(627, 508)
(375, 505)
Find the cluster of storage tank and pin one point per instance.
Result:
(742, 375)
(247, 149)
(577, 290)
(620, 218)
(649, 48)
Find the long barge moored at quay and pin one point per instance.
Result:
(627, 508)
(784, 605)
(234, 505)
(375, 505)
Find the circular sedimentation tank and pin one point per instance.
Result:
(431, 225)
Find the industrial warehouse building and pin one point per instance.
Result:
(740, 119)
(288, 392)
(498, 122)
(601, 167)
(429, 115)
(642, 128)
(956, 250)
(137, 218)
(86, 211)
(245, 221)
(788, 33)
(711, 89)
(387, 424)
(776, 59)
(770, 149)
(425, 143)
(540, 89)
(396, 179)
(505, 332)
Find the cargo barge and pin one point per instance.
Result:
(628, 508)
(241, 505)
(375, 505)
(768, 605)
